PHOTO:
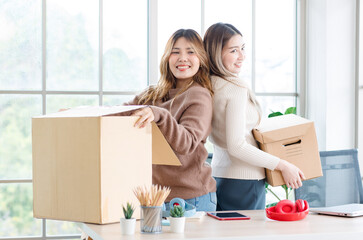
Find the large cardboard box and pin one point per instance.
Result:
(293, 139)
(87, 161)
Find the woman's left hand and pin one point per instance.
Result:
(146, 116)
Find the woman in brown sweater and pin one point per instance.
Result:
(181, 105)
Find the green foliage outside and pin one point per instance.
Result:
(290, 110)
(72, 64)
(16, 200)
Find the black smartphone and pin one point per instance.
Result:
(228, 216)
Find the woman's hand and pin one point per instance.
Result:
(292, 175)
(146, 116)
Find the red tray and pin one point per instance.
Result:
(270, 213)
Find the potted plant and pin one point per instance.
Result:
(128, 223)
(177, 219)
(288, 191)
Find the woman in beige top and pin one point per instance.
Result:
(238, 165)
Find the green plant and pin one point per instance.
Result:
(128, 211)
(177, 211)
(286, 189)
(290, 110)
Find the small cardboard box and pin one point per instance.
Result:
(88, 160)
(293, 139)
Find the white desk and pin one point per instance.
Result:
(314, 226)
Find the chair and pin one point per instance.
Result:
(341, 182)
(209, 159)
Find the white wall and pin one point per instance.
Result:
(331, 71)
(360, 117)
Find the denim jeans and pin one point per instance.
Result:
(207, 202)
(240, 194)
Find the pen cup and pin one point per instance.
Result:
(150, 220)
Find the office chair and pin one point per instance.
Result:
(209, 159)
(341, 182)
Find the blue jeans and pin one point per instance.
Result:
(207, 202)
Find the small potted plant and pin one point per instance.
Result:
(128, 223)
(177, 219)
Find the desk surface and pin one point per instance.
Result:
(314, 226)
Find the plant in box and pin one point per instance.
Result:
(128, 223)
(177, 219)
(288, 191)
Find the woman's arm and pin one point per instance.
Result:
(291, 174)
(193, 126)
(236, 120)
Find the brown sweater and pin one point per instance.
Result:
(186, 124)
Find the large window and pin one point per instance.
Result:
(269, 30)
(61, 53)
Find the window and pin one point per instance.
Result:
(239, 14)
(270, 46)
(60, 54)
(275, 82)
(72, 45)
(187, 15)
(124, 68)
(21, 71)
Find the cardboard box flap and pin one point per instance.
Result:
(161, 150)
(283, 121)
(91, 111)
(281, 127)
(294, 132)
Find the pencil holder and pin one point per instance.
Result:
(150, 220)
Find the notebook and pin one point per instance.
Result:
(347, 210)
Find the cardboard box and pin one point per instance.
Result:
(293, 139)
(87, 161)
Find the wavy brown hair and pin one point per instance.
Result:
(167, 80)
(215, 38)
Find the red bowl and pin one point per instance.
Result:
(272, 214)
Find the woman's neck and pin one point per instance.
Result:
(181, 83)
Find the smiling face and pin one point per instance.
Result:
(233, 54)
(183, 61)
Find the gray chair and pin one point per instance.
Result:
(341, 182)
(209, 159)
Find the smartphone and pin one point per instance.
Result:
(228, 216)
